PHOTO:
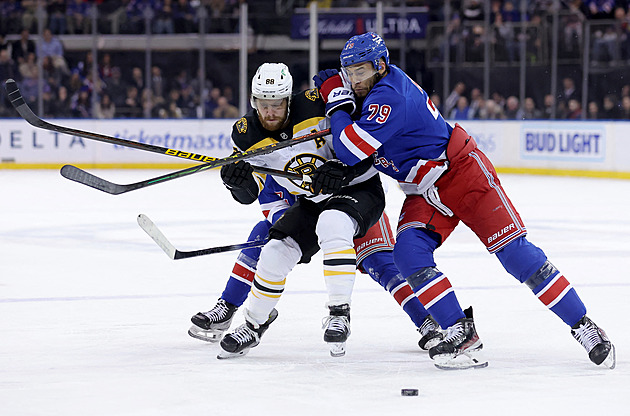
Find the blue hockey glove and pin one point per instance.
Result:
(334, 92)
(330, 177)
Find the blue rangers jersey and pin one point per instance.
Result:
(401, 125)
(274, 200)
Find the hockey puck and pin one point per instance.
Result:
(409, 392)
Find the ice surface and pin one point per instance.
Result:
(93, 315)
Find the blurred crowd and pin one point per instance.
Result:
(120, 91)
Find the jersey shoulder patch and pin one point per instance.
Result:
(241, 125)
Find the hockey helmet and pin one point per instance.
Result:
(363, 48)
(272, 81)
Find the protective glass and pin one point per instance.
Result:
(358, 73)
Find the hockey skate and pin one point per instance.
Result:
(337, 329)
(210, 326)
(430, 332)
(459, 350)
(244, 338)
(594, 340)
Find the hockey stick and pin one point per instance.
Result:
(154, 232)
(209, 162)
(79, 175)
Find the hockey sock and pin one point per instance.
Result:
(240, 281)
(277, 259)
(556, 293)
(339, 273)
(381, 268)
(436, 294)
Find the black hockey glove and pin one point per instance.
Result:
(331, 176)
(239, 179)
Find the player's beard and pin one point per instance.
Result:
(367, 85)
(272, 124)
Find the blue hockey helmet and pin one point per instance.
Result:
(362, 48)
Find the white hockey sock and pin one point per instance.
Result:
(277, 259)
(335, 231)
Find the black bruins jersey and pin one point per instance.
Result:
(306, 115)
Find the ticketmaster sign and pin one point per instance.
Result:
(343, 26)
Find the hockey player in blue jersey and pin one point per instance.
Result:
(446, 179)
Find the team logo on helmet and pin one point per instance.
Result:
(304, 164)
(241, 125)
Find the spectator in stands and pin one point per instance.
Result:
(61, 109)
(574, 110)
(116, 87)
(549, 106)
(512, 109)
(475, 47)
(476, 103)
(106, 67)
(186, 102)
(225, 109)
(437, 102)
(10, 16)
(213, 101)
(4, 45)
(56, 10)
(451, 100)
(611, 109)
(80, 103)
(158, 83)
(22, 47)
(29, 74)
(131, 107)
(184, 15)
(600, 9)
(137, 79)
(568, 92)
(461, 110)
(51, 46)
(105, 108)
(530, 112)
(29, 13)
(506, 45)
(52, 75)
(592, 112)
(163, 21)
(491, 111)
(78, 19)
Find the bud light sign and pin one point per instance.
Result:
(563, 141)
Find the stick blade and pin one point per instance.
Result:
(80, 176)
(160, 239)
(14, 94)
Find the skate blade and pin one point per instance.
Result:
(611, 359)
(337, 349)
(204, 334)
(225, 355)
(460, 362)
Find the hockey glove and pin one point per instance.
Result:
(239, 179)
(330, 177)
(335, 93)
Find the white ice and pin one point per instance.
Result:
(93, 315)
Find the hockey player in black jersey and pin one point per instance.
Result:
(317, 219)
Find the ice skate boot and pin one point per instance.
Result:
(459, 348)
(244, 338)
(210, 326)
(431, 335)
(337, 329)
(594, 340)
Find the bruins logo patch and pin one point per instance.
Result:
(312, 94)
(304, 164)
(241, 125)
